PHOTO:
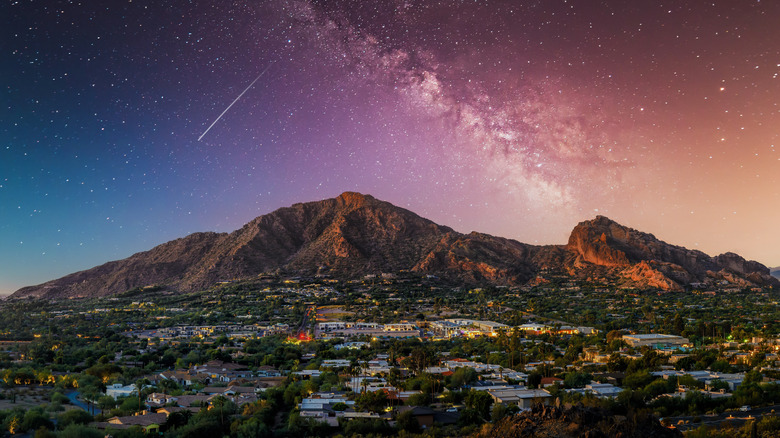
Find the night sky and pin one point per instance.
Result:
(517, 119)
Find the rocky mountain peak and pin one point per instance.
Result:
(354, 199)
(600, 241)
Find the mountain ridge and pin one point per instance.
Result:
(355, 234)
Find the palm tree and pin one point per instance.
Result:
(352, 370)
(90, 394)
(139, 385)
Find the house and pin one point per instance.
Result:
(436, 370)
(378, 362)
(405, 395)
(524, 398)
(308, 373)
(222, 371)
(335, 363)
(269, 382)
(156, 400)
(479, 367)
(615, 378)
(168, 410)
(118, 390)
(268, 371)
(603, 390)
(149, 422)
(320, 405)
(230, 390)
(551, 381)
(182, 377)
(508, 374)
(187, 401)
(239, 399)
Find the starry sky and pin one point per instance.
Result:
(514, 118)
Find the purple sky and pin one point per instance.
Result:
(518, 120)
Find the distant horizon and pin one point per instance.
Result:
(128, 125)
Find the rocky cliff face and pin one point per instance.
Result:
(642, 260)
(478, 257)
(354, 235)
(603, 241)
(735, 263)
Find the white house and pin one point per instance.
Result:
(118, 390)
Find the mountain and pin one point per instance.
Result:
(353, 235)
(775, 272)
(636, 259)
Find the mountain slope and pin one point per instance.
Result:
(354, 235)
(641, 260)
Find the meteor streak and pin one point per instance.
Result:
(232, 103)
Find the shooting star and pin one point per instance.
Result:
(233, 103)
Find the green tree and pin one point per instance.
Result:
(463, 376)
(299, 426)
(470, 417)
(252, 428)
(223, 407)
(43, 432)
(534, 379)
(130, 404)
(140, 384)
(375, 401)
(576, 379)
(679, 324)
(73, 416)
(177, 419)
(421, 399)
(498, 413)
(407, 422)
(367, 427)
(480, 401)
(638, 379)
(106, 403)
(34, 419)
(79, 431)
(58, 397)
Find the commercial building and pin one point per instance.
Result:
(657, 340)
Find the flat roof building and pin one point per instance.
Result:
(524, 398)
(656, 340)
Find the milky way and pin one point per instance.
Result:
(518, 119)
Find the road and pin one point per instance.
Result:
(75, 401)
(309, 318)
